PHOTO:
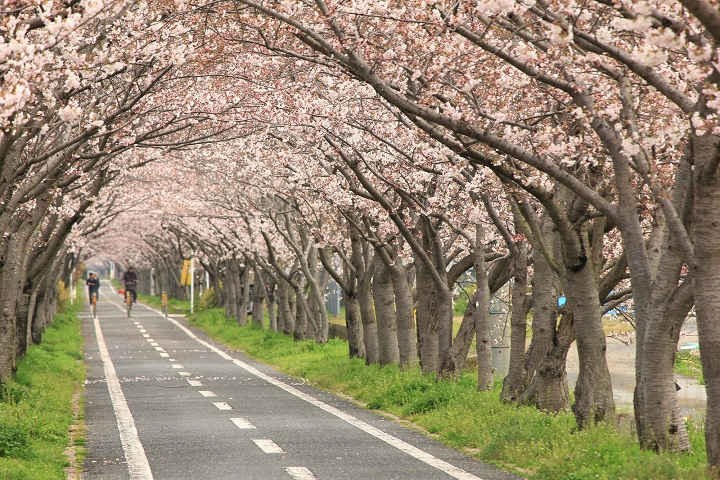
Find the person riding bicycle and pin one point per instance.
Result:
(93, 284)
(130, 280)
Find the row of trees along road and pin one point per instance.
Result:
(392, 146)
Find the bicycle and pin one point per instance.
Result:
(128, 301)
(93, 304)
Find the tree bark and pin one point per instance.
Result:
(706, 273)
(483, 342)
(361, 263)
(517, 379)
(385, 314)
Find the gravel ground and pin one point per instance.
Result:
(621, 361)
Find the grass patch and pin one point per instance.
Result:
(689, 366)
(36, 407)
(522, 440)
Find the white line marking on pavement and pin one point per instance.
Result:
(242, 423)
(184, 374)
(206, 393)
(137, 463)
(267, 446)
(163, 354)
(172, 360)
(195, 383)
(401, 445)
(142, 330)
(160, 349)
(222, 406)
(177, 365)
(147, 335)
(202, 342)
(153, 343)
(136, 323)
(300, 473)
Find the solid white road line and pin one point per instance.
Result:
(207, 393)
(242, 423)
(267, 446)
(401, 445)
(222, 405)
(195, 383)
(137, 462)
(300, 473)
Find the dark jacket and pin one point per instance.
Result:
(130, 280)
(93, 284)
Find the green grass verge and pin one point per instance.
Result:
(36, 407)
(689, 366)
(523, 440)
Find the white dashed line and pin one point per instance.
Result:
(172, 360)
(163, 354)
(136, 323)
(300, 473)
(207, 393)
(147, 335)
(184, 374)
(160, 349)
(137, 463)
(268, 446)
(401, 445)
(196, 383)
(242, 423)
(153, 343)
(177, 365)
(222, 405)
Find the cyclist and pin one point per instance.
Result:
(130, 280)
(93, 284)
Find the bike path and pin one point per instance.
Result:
(164, 401)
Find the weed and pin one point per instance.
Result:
(13, 440)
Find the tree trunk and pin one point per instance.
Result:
(706, 273)
(593, 390)
(242, 292)
(385, 314)
(272, 304)
(517, 378)
(404, 315)
(455, 357)
(259, 294)
(364, 297)
(230, 288)
(427, 320)
(353, 320)
(483, 343)
(301, 318)
(550, 383)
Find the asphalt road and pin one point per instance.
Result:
(164, 401)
